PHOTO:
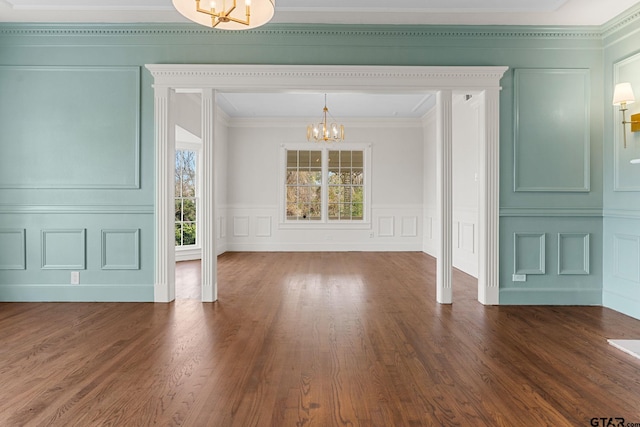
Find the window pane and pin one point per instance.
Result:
(292, 177)
(178, 232)
(357, 210)
(357, 159)
(334, 159)
(189, 233)
(334, 211)
(357, 176)
(292, 159)
(346, 195)
(178, 209)
(189, 210)
(345, 159)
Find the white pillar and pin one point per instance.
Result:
(489, 203)
(444, 196)
(164, 273)
(207, 200)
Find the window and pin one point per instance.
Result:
(327, 185)
(304, 185)
(346, 185)
(186, 199)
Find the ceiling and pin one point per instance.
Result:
(341, 105)
(455, 12)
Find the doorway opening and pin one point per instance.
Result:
(444, 81)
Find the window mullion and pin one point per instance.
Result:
(325, 185)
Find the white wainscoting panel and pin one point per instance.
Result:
(263, 228)
(386, 226)
(240, 226)
(409, 226)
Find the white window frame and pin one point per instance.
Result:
(325, 222)
(190, 252)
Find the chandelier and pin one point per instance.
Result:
(225, 14)
(323, 131)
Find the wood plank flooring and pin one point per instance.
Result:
(316, 339)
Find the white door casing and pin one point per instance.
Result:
(273, 78)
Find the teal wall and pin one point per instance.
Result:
(621, 281)
(552, 115)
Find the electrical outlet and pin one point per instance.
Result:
(75, 277)
(519, 278)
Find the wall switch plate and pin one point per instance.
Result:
(75, 277)
(519, 278)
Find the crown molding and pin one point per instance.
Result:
(620, 22)
(336, 30)
(302, 122)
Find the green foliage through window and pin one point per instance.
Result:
(185, 197)
(344, 185)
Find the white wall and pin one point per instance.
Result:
(221, 137)
(253, 217)
(465, 186)
(430, 208)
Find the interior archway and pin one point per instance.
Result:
(442, 80)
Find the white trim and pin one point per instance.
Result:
(270, 78)
(324, 222)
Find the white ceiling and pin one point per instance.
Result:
(463, 12)
(341, 105)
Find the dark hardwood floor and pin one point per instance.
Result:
(316, 339)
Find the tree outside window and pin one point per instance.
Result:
(185, 197)
(325, 185)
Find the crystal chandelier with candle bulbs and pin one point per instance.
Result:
(227, 14)
(325, 131)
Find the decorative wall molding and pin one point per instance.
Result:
(240, 226)
(551, 212)
(121, 249)
(573, 253)
(64, 249)
(13, 254)
(626, 176)
(409, 226)
(621, 213)
(525, 245)
(626, 257)
(386, 226)
(263, 226)
(324, 77)
(77, 209)
(72, 146)
(466, 236)
(535, 93)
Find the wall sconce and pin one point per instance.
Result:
(623, 95)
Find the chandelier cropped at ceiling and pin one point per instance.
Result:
(225, 14)
(324, 131)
